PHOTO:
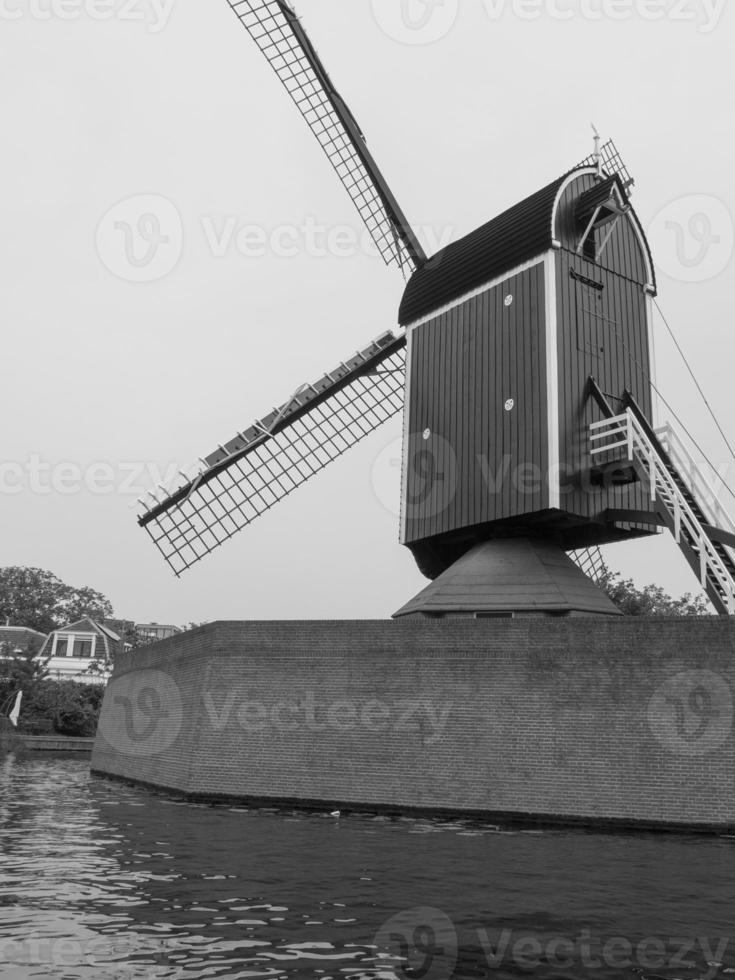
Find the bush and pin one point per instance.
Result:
(650, 600)
(75, 718)
(61, 707)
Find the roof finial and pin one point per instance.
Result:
(598, 154)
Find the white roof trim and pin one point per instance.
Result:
(635, 222)
(440, 311)
(111, 633)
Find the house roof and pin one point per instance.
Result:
(108, 636)
(111, 633)
(9, 631)
(518, 235)
(19, 635)
(507, 241)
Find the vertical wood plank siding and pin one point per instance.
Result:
(623, 254)
(604, 333)
(465, 364)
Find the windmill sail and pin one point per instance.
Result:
(611, 162)
(278, 32)
(262, 465)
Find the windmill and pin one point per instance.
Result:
(523, 366)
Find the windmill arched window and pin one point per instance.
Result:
(598, 212)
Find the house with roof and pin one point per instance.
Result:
(73, 649)
(15, 640)
(148, 633)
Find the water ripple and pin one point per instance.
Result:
(101, 881)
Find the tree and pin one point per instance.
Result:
(77, 709)
(39, 600)
(64, 707)
(650, 600)
(23, 671)
(85, 603)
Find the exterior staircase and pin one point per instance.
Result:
(683, 498)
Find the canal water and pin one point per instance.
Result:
(99, 880)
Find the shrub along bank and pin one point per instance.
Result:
(52, 707)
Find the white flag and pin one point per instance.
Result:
(16, 709)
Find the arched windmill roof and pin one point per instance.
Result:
(518, 235)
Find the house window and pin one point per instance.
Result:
(81, 646)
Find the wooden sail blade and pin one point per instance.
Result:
(260, 466)
(281, 38)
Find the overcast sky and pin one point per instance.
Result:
(467, 113)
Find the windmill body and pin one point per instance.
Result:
(505, 329)
(523, 368)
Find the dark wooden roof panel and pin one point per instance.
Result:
(516, 236)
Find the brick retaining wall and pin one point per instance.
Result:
(594, 721)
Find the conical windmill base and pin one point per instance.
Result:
(512, 577)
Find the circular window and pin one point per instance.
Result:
(510, 405)
(509, 300)
(427, 435)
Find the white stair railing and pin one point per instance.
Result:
(625, 432)
(699, 485)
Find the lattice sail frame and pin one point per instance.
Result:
(276, 29)
(246, 477)
(612, 162)
(261, 466)
(591, 562)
